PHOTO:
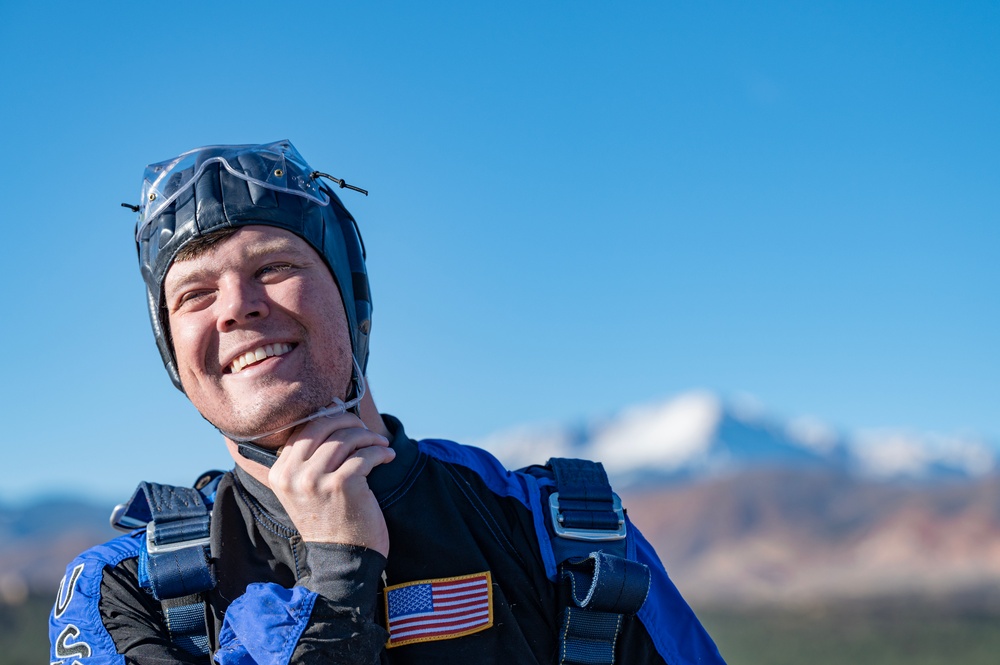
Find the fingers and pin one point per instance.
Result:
(361, 463)
(325, 455)
(321, 479)
(327, 442)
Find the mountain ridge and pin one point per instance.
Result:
(697, 435)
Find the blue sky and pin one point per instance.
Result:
(575, 206)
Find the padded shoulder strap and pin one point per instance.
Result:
(175, 564)
(589, 539)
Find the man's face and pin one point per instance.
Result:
(263, 292)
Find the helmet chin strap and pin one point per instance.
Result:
(250, 450)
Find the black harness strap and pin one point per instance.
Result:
(185, 618)
(176, 561)
(602, 584)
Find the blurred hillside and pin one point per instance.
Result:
(781, 537)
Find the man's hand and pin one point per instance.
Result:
(321, 478)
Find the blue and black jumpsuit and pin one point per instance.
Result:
(458, 522)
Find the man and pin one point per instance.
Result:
(336, 538)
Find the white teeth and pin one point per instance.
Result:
(260, 353)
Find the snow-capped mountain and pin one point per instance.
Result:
(697, 435)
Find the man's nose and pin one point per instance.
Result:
(240, 301)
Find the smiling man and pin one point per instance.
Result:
(336, 538)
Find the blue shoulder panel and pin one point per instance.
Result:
(264, 625)
(500, 481)
(670, 622)
(675, 630)
(76, 631)
(521, 486)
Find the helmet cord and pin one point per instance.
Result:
(339, 181)
(249, 449)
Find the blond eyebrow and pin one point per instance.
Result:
(274, 246)
(248, 254)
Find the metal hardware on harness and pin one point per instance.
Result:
(175, 565)
(601, 586)
(121, 522)
(153, 548)
(590, 535)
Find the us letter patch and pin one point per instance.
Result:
(438, 609)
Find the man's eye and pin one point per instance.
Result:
(191, 297)
(274, 268)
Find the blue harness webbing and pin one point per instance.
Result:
(590, 546)
(175, 565)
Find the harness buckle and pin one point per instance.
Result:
(121, 521)
(589, 535)
(200, 526)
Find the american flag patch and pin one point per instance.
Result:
(438, 609)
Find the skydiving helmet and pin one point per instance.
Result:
(219, 186)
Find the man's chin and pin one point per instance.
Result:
(266, 427)
(272, 442)
(267, 410)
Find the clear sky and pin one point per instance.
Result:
(575, 206)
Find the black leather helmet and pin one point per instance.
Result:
(220, 186)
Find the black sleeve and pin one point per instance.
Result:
(342, 628)
(134, 620)
(635, 645)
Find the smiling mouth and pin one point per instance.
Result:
(260, 353)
